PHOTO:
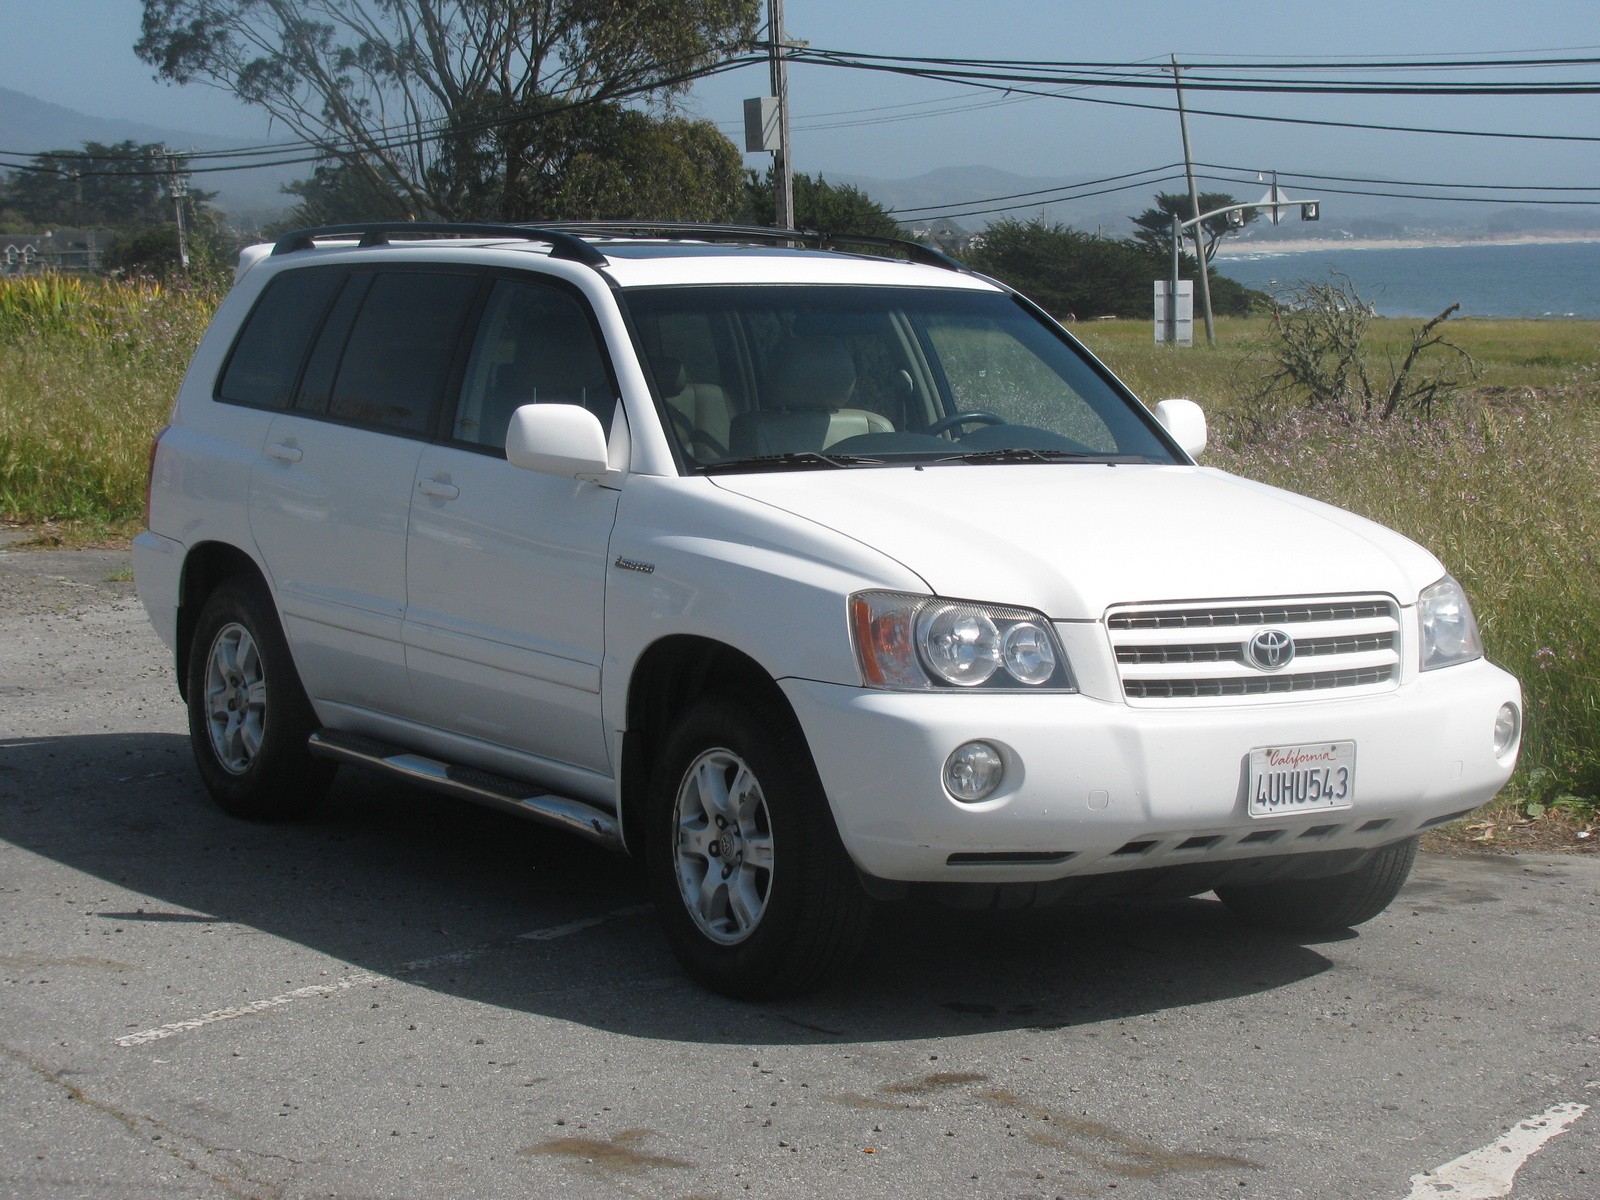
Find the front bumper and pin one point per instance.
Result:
(1095, 787)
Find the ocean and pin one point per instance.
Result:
(1510, 280)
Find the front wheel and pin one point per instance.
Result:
(756, 893)
(1327, 904)
(249, 719)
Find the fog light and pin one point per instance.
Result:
(973, 771)
(1507, 730)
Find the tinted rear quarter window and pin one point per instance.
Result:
(265, 361)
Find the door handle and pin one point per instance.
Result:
(438, 490)
(284, 452)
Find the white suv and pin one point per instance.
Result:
(813, 577)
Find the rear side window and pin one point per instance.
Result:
(401, 350)
(266, 359)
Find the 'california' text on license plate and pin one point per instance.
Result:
(1291, 779)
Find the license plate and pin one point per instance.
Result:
(1296, 779)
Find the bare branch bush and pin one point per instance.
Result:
(1322, 359)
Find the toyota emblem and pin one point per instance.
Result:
(1270, 649)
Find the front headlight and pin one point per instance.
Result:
(1449, 630)
(925, 643)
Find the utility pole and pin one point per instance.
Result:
(1194, 202)
(1172, 287)
(178, 188)
(782, 166)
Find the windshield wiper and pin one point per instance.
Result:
(805, 459)
(1022, 454)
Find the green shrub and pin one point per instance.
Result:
(92, 367)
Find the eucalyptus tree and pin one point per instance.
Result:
(1154, 230)
(462, 108)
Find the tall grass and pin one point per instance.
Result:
(88, 370)
(1503, 493)
(1511, 355)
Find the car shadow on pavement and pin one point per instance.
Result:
(445, 896)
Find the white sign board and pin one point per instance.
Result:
(1175, 322)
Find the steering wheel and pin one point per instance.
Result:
(963, 418)
(693, 436)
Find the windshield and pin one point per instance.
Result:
(804, 376)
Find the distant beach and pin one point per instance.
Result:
(1236, 247)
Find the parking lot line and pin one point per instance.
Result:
(373, 979)
(1490, 1172)
(557, 931)
(245, 1010)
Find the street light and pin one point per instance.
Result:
(1275, 200)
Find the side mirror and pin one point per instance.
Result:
(557, 439)
(1186, 422)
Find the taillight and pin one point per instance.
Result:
(150, 474)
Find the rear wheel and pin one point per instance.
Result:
(1326, 904)
(249, 719)
(756, 893)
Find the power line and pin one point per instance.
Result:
(982, 212)
(389, 137)
(1371, 63)
(1065, 193)
(1122, 74)
(1396, 59)
(1475, 187)
(954, 72)
(1237, 116)
(1502, 200)
(1040, 191)
(383, 138)
(1012, 91)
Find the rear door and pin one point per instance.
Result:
(506, 568)
(331, 495)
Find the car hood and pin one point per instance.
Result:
(1072, 539)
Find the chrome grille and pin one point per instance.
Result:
(1174, 653)
(1278, 614)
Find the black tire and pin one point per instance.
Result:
(249, 719)
(1331, 903)
(782, 853)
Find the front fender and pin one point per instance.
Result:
(689, 558)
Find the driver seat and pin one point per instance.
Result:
(809, 381)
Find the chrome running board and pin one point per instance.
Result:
(469, 783)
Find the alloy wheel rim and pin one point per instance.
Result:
(235, 698)
(722, 850)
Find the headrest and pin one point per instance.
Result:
(671, 377)
(810, 372)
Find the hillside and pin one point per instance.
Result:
(29, 126)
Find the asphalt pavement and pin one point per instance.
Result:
(405, 997)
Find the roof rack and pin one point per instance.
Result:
(563, 243)
(763, 234)
(566, 238)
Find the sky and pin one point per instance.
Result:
(79, 54)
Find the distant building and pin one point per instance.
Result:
(948, 236)
(70, 251)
